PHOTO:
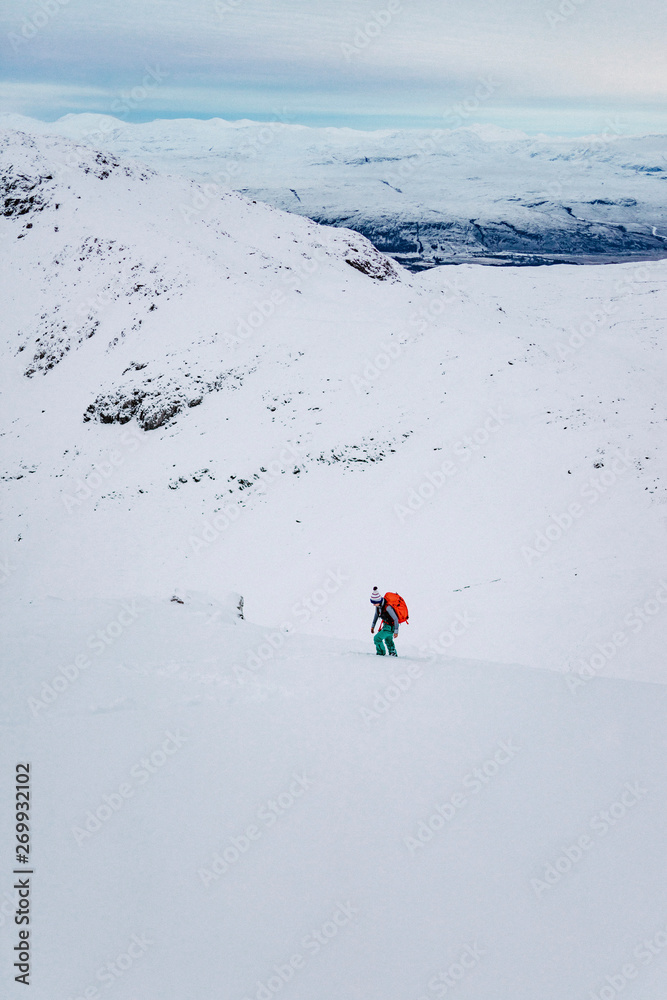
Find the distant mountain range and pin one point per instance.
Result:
(477, 193)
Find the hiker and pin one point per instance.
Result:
(389, 630)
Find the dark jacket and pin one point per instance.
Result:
(387, 614)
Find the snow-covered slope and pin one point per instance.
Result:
(241, 399)
(205, 398)
(322, 825)
(475, 192)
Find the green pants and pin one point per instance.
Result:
(385, 635)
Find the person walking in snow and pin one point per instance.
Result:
(389, 628)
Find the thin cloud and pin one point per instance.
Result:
(382, 60)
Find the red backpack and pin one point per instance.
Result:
(400, 607)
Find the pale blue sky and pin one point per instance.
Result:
(559, 66)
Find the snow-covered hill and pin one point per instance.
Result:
(425, 197)
(204, 397)
(236, 398)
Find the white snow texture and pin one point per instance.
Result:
(205, 397)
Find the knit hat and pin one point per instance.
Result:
(376, 596)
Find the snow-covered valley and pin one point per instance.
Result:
(205, 397)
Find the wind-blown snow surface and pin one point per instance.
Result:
(198, 829)
(235, 399)
(426, 197)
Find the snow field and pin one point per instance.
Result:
(257, 808)
(440, 809)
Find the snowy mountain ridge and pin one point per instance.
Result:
(130, 280)
(476, 192)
